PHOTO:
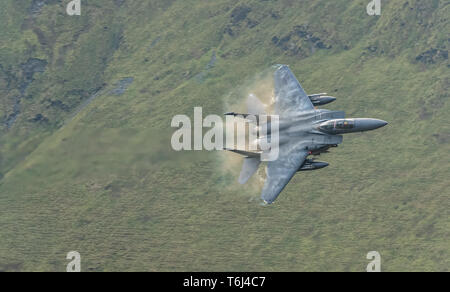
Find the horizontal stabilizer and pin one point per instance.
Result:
(244, 116)
(245, 153)
(255, 108)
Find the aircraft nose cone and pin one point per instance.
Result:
(378, 124)
(370, 124)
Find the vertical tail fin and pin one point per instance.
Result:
(249, 168)
(255, 107)
(251, 163)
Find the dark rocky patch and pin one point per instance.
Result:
(442, 138)
(239, 19)
(432, 56)
(122, 86)
(36, 7)
(212, 62)
(11, 119)
(304, 32)
(228, 30)
(42, 39)
(252, 23)
(282, 43)
(321, 45)
(424, 113)
(119, 2)
(29, 68)
(275, 15)
(299, 40)
(372, 49)
(114, 188)
(239, 14)
(39, 118)
(7, 75)
(58, 104)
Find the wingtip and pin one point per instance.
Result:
(265, 203)
(280, 66)
(242, 181)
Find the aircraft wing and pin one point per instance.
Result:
(289, 94)
(281, 171)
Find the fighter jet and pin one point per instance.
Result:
(303, 131)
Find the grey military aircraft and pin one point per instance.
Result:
(303, 131)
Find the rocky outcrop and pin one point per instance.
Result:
(122, 86)
(28, 70)
(301, 41)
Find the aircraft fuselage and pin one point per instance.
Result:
(320, 129)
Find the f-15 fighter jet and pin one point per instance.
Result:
(303, 131)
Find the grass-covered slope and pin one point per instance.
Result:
(85, 158)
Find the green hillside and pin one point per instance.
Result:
(86, 164)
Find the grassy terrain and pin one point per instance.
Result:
(86, 163)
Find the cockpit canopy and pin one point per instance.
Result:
(337, 125)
